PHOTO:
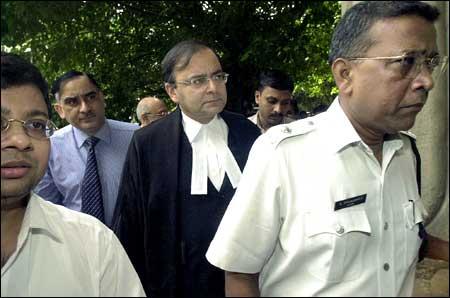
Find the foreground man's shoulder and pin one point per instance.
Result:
(279, 133)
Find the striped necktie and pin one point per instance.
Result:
(91, 189)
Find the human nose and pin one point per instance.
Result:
(84, 106)
(277, 108)
(425, 77)
(211, 85)
(15, 136)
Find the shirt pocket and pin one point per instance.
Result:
(335, 244)
(414, 213)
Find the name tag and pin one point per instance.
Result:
(350, 202)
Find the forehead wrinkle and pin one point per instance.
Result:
(205, 74)
(28, 114)
(77, 88)
(80, 95)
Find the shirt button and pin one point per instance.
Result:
(386, 225)
(386, 266)
(340, 230)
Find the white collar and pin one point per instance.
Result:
(207, 139)
(191, 127)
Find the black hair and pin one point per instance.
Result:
(351, 36)
(179, 57)
(70, 75)
(16, 72)
(294, 104)
(275, 79)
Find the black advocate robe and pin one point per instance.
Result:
(148, 213)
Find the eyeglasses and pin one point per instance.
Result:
(156, 115)
(202, 81)
(410, 65)
(35, 128)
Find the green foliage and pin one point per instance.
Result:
(122, 43)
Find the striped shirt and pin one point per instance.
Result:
(62, 181)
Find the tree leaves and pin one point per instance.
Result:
(122, 43)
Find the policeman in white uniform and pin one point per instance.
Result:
(330, 205)
(323, 218)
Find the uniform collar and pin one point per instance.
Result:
(343, 134)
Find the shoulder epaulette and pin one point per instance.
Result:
(282, 132)
(409, 134)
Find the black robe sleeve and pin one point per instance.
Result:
(128, 219)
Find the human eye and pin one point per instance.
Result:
(91, 96)
(4, 124)
(405, 64)
(433, 62)
(71, 101)
(220, 77)
(36, 124)
(198, 81)
(272, 100)
(407, 60)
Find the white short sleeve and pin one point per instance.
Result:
(248, 231)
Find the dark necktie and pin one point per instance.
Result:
(91, 189)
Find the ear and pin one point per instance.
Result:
(257, 96)
(144, 119)
(59, 109)
(343, 73)
(171, 90)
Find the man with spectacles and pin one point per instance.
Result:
(273, 97)
(336, 210)
(90, 149)
(47, 250)
(179, 176)
(149, 109)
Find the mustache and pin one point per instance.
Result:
(423, 95)
(213, 98)
(9, 157)
(88, 115)
(275, 114)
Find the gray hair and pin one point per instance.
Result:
(351, 35)
(142, 108)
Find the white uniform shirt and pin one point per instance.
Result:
(282, 220)
(61, 252)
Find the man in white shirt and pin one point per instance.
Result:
(336, 210)
(180, 174)
(47, 250)
(273, 97)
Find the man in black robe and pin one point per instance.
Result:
(180, 174)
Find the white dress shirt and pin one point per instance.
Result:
(282, 220)
(255, 120)
(61, 252)
(211, 156)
